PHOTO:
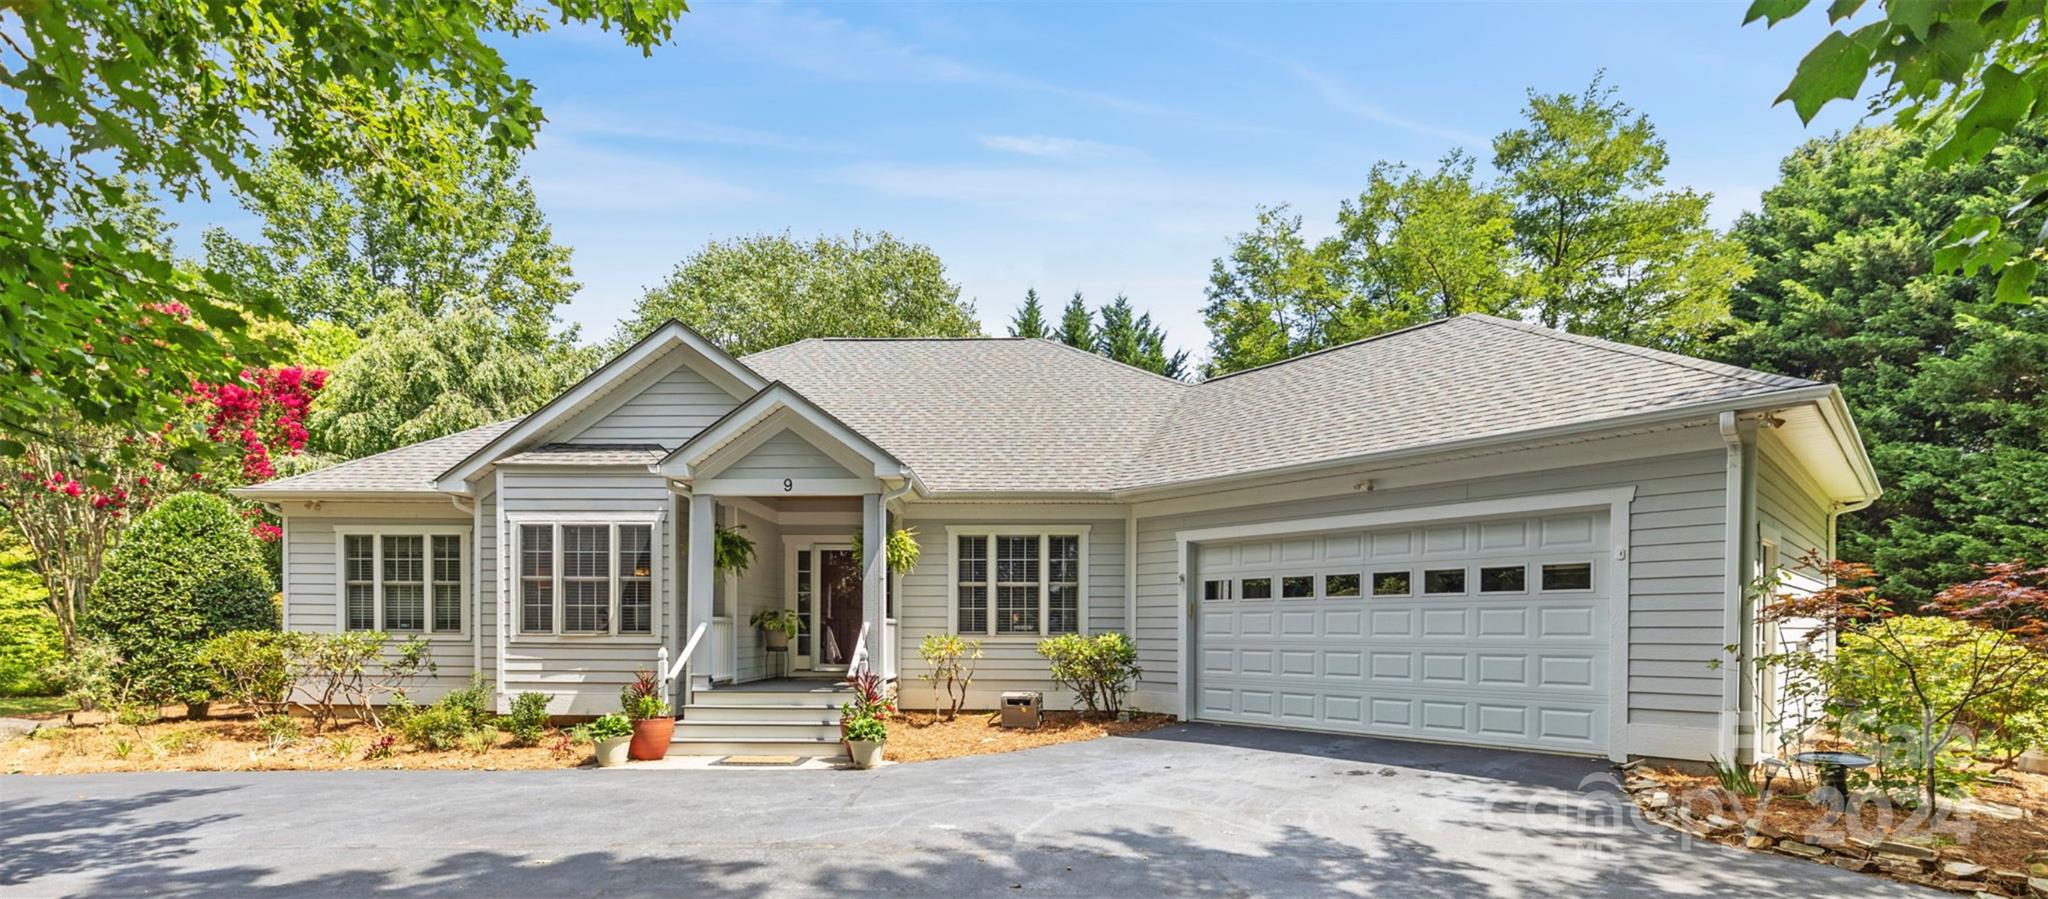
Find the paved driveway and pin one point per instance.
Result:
(1194, 809)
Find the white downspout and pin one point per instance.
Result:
(1735, 552)
(1131, 572)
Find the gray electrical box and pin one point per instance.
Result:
(1023, 708)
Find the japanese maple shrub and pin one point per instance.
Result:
(186, 572)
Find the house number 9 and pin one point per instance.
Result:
(788, 485)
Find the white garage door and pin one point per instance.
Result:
(1491, 632)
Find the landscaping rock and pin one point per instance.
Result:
(2014, 879)
(1758, 841)
(2034, 761)
(1963, 870)
(1977, 808)
(1657, 800)
(1641, 784)
(11, 728)
(1909, 850)
(1719, 823)
(1857, 865)
(2038, 886)
(2037, 864)
(1803, 850)
(1904, 864)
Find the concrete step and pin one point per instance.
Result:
(750, 714)
(756, 730)
(714, 746)
(757, 698)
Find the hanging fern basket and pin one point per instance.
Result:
(732, 551)
(901, 553)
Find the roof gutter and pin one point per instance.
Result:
(1703, 411)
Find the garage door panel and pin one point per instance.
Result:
(1517, 666)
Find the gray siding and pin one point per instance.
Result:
(311, 583)
(786, 455)
(670, 411)
(1675, 572)
(585, 673)
(760, 589)
(1008, 662)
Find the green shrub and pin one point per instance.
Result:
(1099, 669)
(866, 730)
(529, 718)
(481, 740)
(30, 643)
(609, 727)
(186, 571)
(257, 669)
(88, 678)
(447, 723)
(354, 668)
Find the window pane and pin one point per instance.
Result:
(972, 603)
(1016, 610)
(636, 579)
(636, 606)
(1300, 586)
(1503, 579)
(586, 550)
(1340, 585)
(973, 560)
(404, 559)
(447, 582)
(537, 578)
(1256, 588)
(362, 607)
(1218, 590)
(1017, 560)
(1063, 557)
(1568, 576)
(447, 558)
(1063, 588)
(1064, 613)
(586, 606)
(1443, 580)
(803, 602)
(405, 607)
(362, 561)
(1390, 583)
(536, 550)
(636, 550)
(360, 568)
(448, 607)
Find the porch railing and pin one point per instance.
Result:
(681, 666)
(859, 662)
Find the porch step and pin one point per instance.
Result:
(693, 729)
(827, 748)
(708, 713)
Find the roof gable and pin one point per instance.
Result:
(737, 441)
(641, 367)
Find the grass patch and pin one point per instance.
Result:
(33, 706)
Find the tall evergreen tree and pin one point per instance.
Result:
(1077, 325)
(1030, 318)
(1949, 386)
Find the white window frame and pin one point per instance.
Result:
(426, 535)
(515, 525)
(988, 593)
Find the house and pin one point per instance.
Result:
(1473, 531)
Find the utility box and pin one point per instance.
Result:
(1023, 708)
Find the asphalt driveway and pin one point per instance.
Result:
(1192, 809)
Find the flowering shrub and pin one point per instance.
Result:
(264, 412)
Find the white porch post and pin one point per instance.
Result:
(874, 541)
(699, 587)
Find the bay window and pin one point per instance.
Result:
(585, 578)
(403, 580)
(1015, 582)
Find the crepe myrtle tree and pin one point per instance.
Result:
(69, 495)
(1951, 664)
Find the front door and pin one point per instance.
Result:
(827, 601)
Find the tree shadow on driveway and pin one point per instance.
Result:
(1526, 769)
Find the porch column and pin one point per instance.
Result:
(874, 541)
(698, 596)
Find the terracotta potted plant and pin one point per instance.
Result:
(653, 728)
(865, 737)
(778, 626)
(610, 736)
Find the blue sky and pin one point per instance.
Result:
(1104, 148)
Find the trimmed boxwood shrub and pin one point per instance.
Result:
(188, 570)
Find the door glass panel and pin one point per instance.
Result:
(803, 602)
(839, 607)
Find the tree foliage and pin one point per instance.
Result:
(416, 378)
(1117, 331)
(1577, 231)
(1947, 384)
(1077, 324)
(1030, 318)
(186, 94)
(186, 572)
(1965, 74)
(753, 293)
(338, 251)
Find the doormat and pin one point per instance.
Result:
(762, 761)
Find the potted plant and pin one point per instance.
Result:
(865, 737)
(652, 727)
(778, 625)
(610, 736)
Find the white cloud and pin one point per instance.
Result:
(1046, 147)
(571, 175)
(583, 121)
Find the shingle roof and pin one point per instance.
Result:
(990, 414)
(1020, 415)
(1464, 378)
(588, 454)
(407, 469)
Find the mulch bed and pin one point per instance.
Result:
(923, 737)
(1992, 846)
(233, 741)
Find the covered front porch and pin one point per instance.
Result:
(808, 494)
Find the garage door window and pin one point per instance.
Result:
(1301, 586)
(1503, 579)
(1443, 580)
(1256, 588)
(1568, 576)
(1390, 583)
(1216, 590)
(1340, 585)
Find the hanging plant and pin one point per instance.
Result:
(901, 553)
(732, 551)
